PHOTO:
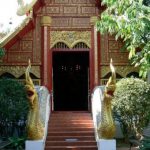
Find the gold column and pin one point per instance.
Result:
(46, 21)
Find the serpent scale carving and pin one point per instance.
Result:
(106, 127)
(35, 130)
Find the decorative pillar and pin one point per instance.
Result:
(94, 71)
(46, 68)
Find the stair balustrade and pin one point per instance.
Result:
(44, 104)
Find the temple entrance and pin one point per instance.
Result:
(70, 80)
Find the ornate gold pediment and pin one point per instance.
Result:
(121, 70)
(18, 71)
(70, 38)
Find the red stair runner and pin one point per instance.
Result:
(70, 131)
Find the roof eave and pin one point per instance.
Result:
(19, 31)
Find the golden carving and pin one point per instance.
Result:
(70, 38)
(35, 81)
(71, 23)
(79, 1)
(80, 22)
(93, 20)
(113, 45)
(27, 45)
(70, 10)
(28, 35)
(18, 71)
(35, 128)
(88, 10)
(19, 56)
(60, 22)
(61, 2)
(36, 57)
(46, 21)
(121, 70)
(110, 48)
(106, 127)
(53, 9)
(15, 47)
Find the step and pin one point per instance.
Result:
(71, 120)
(72, 133)
(71, 148)
(70, 116)
(68, 123)
(63, 138)
(70, 129)
(71, 112)
(71, 143)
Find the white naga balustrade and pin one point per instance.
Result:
(44, 103)
(97, 98)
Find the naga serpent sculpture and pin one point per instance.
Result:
(106, 127)
(35, 129)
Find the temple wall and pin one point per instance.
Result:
(68, 14)
(73, 18)
(21, 50)
(17, 56)
(110, 48)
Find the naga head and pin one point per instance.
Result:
(31, 93)
(111, 84)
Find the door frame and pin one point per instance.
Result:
(91, 71)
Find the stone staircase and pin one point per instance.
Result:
(70, 130)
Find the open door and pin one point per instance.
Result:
(70, 80)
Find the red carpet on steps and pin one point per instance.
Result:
(70, 130)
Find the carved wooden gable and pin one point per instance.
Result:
(70, 13)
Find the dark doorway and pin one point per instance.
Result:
(70, 80)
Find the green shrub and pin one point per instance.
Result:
(13, 108)
(132, 104)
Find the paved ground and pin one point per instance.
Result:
(133, 148)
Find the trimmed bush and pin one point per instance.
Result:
(132, 104)
(13, 108)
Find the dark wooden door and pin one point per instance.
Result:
(70, 80)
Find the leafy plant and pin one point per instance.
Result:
(130, 21)
(132, 102)
(2, 52)
(145, 143)
(13, 143)
(17, 143)
(13, 108)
